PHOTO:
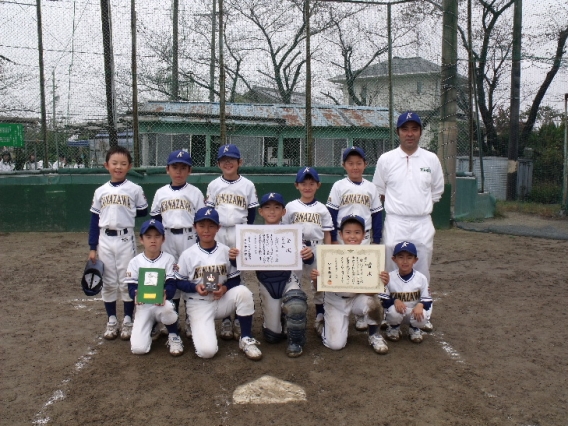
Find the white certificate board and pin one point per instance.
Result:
(269, 247)
(350, 268)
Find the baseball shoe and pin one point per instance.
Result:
(378, 343)
(415, 335)
(384, 325)
(111, 331)
(318, 325)
(155, 333)
(294, 350)
(393, 333)
(227, 330)
(176, 345)
(248, 346)
(126, 330)
(428, 327)
(188, 332)
(360, 323)
(236, 329)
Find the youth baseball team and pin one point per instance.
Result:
(191, 238)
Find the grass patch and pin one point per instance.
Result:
(544, 210)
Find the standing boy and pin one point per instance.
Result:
(407, 297)
(111, 235)
(338, 306)
(316, 224)
(234, 198)
(411, 180)
(280, 292)
(175, 205)
(152, 237)
(356, 195)
(196, 264)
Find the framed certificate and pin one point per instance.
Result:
(151, 285)
(269, 247)
(350, 268)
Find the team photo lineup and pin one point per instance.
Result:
(189, 252)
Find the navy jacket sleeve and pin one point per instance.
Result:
(251, 215)
(132, 290)
(142, 213)
(377, 223)
(333, 214)
(170, 287)
(94, 231)
(186, 286)
(233, 282)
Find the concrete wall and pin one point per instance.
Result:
(53, 202)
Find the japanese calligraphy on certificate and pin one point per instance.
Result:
(350, 268)
(265, 248)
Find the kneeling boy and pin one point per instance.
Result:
(208, 257)
(152, 238)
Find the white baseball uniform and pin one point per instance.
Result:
(338, 307)
(361, 199)
(411, 185)
(231, 199)
(7, 166)
(148, 314)
(410, 291)
(116, 207)
(204, 310)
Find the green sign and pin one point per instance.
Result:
(11, 135)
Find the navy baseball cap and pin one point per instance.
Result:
(304, 172)
(206, 213)
(92, 280)
(405, 246)
(180, 156)
(354, 150)
(407, 116)
(152, 223)
(229, 150)
(352, 217)
(272, 196)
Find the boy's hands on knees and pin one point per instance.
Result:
(201, 290)
(418, 312)
(385, 277)
(306, 253)
(314, 275)
(399, 306)
(220, 293)
(233, 253)
(93, 256)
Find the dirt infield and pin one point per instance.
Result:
(497, 355)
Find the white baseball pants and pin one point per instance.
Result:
(116, 253)
(146, 316)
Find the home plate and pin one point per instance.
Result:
(268, 390)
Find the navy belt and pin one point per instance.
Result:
(115, 232)
(179, 230)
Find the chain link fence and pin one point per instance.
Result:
(369, 62)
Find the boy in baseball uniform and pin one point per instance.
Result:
(316, 225)
(339, 306)
(152, 238)
(209, 258)
(356, 195)
(175, 205)
(407, 298)
(111, 236)
(284, 304)
(234, 197)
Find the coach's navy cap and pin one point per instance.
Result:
(152, 223)
(229, 150)
(206, 213)
(272, 196)
(354, 150)
(180, 156)
(407, 116)
(304, 172)
(405, 246)
(351, 217)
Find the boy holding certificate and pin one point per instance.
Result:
(338, 306)
(150, 277)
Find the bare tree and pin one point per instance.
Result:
(12, 77)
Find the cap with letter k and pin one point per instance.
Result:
(405, 246)
(207, 213)
(272, 196)
(407, 116)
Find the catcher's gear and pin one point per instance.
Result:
(295, 307)
(92, 281)
(272, 337)
(274, 281)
